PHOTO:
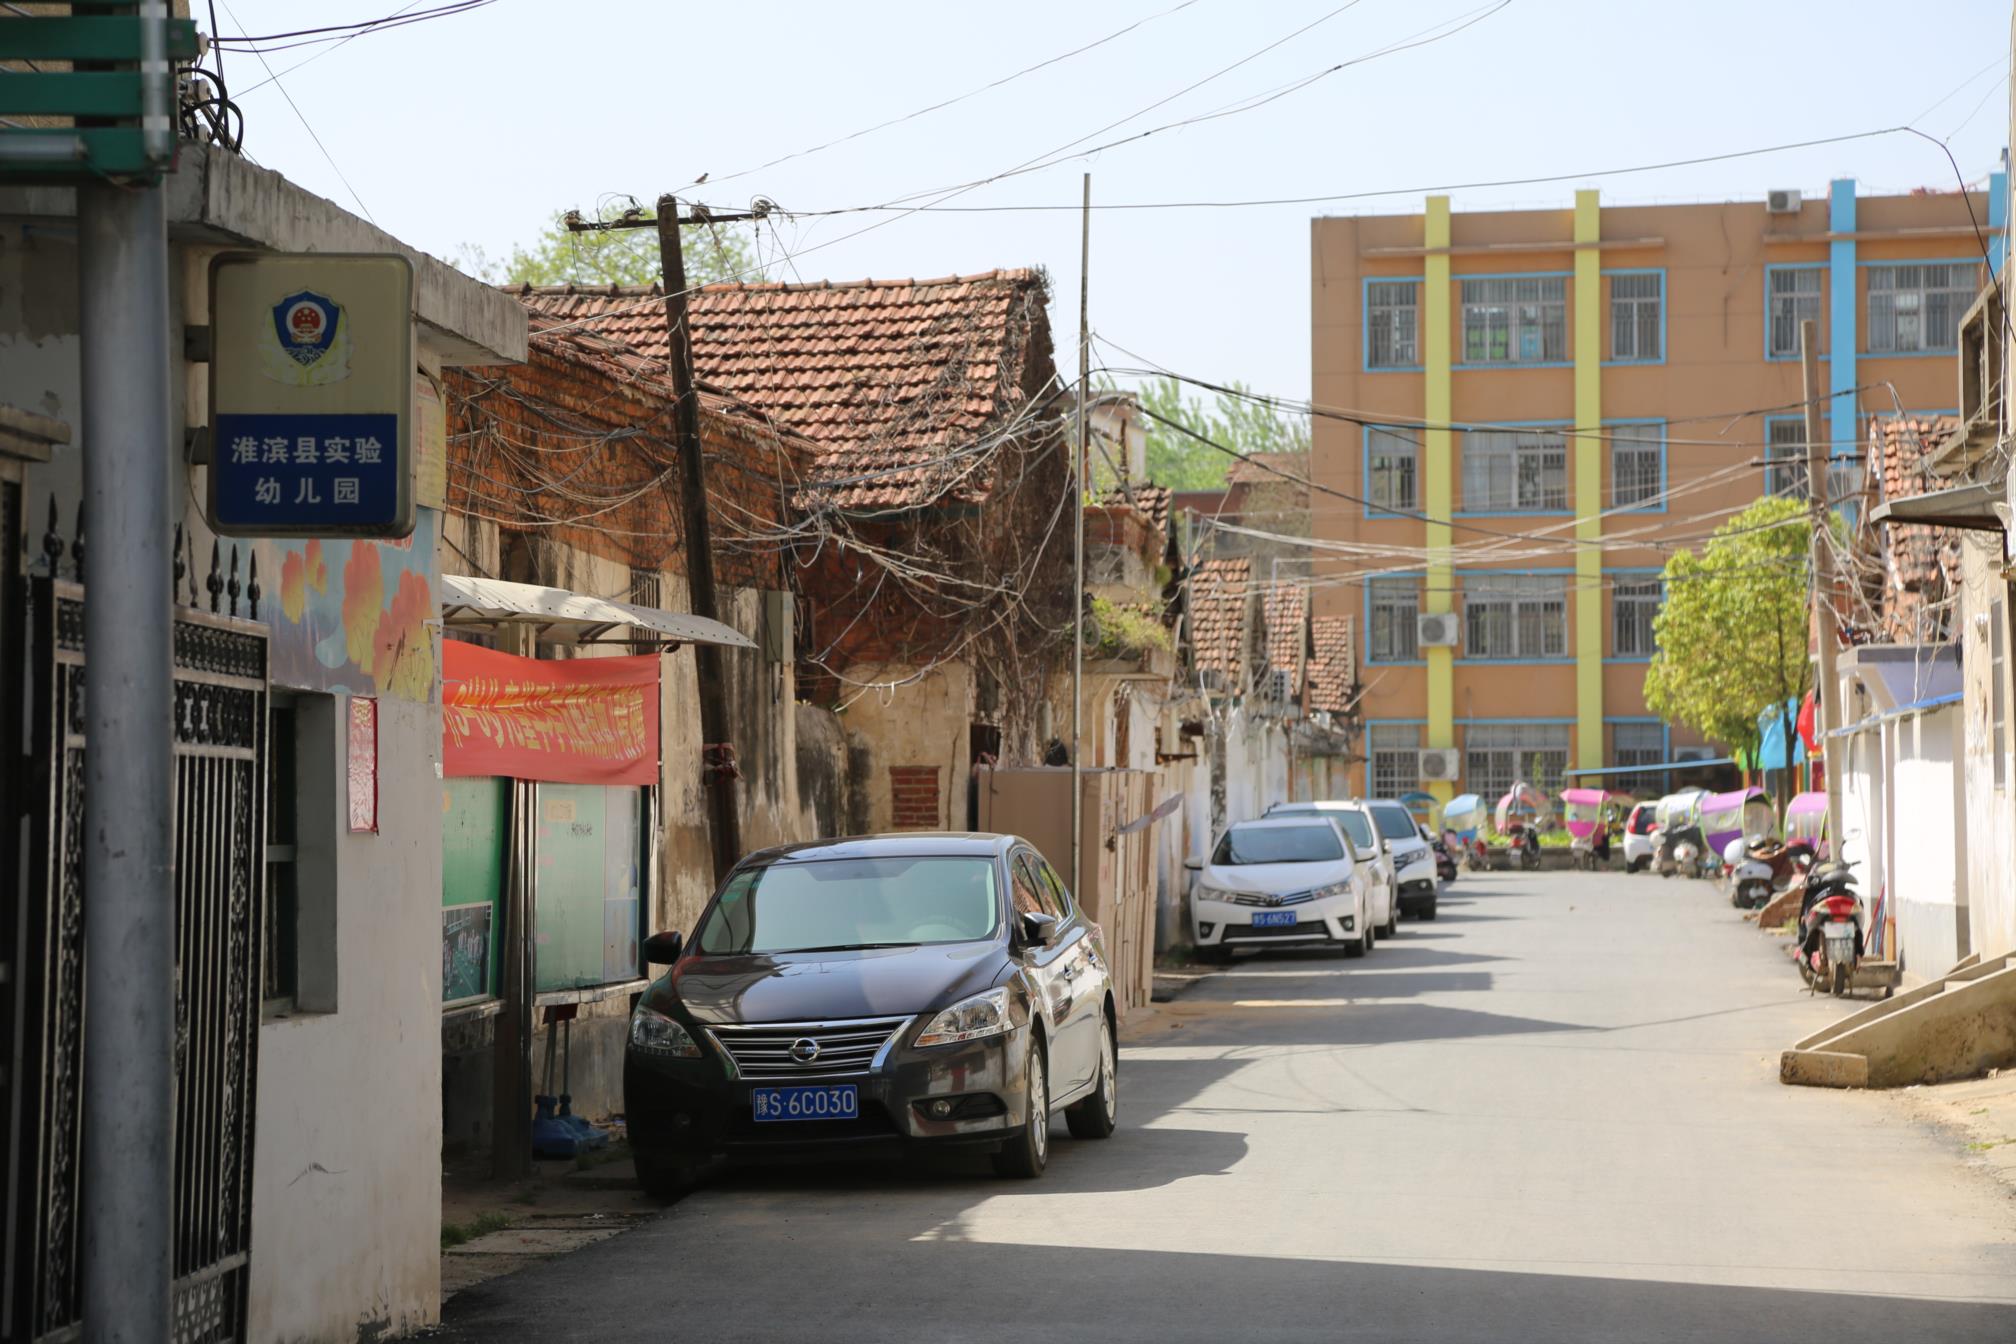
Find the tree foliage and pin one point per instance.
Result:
(1182, 463)
(1732, 629)
(557, 256)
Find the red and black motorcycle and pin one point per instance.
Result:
(1832, 923)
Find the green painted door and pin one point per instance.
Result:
(474, 840)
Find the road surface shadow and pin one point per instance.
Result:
(751, 1280)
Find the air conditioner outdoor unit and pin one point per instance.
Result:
(1439, 763)
(1436, 631)
(1781, 202)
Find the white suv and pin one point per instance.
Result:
(1417, 884)
(1281, 882)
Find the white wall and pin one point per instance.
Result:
(1927, 851)
(346, 1186)
(1991, 812)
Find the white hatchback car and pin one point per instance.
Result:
(1282, 882)
(1374, 857)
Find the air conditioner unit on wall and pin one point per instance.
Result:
(1781, 202)
(1437, 631)
(1439, 763)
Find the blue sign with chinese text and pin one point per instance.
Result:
(296, 471)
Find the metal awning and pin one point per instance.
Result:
(1649, 769)
(1970, 507)
(559, 616)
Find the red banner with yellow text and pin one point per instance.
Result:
(563, 721)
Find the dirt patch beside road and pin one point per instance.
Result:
(1980, 1112)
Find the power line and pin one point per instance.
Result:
(308, 128)
(397, 19)
(274, 78)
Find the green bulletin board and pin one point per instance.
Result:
(476, 813)
(588, 884)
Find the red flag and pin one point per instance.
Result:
(1806, 725)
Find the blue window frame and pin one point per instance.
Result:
(1792, 294)
(1392, 614)
(1915, 307)
(1637, 332)
(1635, 597)
(1392, 460)
(1515, 469)
(1785, 456)
(1637, 464)
(1391, 311)
(1518, 320)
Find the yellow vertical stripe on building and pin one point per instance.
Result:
(1589, 452)
(1438, 472)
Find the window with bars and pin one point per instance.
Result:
(1633, 605)
(1498, 755)
(1395, 752)
(1392, 321)
(1395, 607)
(1919, 306)
(1637, 744)
(1515, 616)
(1791, 296)
(1515, 320)
(1637, 464)
(1392, 465)
(1515, 471)
(1785, 457)
(1637, 317)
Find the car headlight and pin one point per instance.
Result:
(1334, 889)
(1210, 893)
(968, 1020)
(655, 1033)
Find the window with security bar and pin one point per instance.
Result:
(1637, 464)
(1515, 320)
(1634, 745)
(1395, 608)
(1637, 317)
(1392, 465)
(1785, 457)
(1392, 324)
(1791, 297)
(1515, 616)
(1634, 603)
(1498, 755)
(1918, 307)
(1515, 471)
(1395, 753)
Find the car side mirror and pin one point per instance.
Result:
(662, 949)
(1193, 865)
(1041, 930)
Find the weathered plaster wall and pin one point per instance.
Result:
(926, 723)
(1991, 812)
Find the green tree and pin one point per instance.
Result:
(1732, 630)
(558, 256)
(1177, 460)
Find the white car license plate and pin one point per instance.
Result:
(838, 1101)
(1272, 919)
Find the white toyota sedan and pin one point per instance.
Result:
(1281, 882)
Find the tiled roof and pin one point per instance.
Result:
(1218, 618)
(1253, 469)
(1332, 668)
(891, 378)
(1152, 500)
(1922, 563)
(1286, 612)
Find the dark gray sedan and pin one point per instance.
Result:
(875, 994)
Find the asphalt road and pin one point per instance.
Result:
(1551, 1115)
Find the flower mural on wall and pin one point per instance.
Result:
(357, 616)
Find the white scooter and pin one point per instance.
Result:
(1750, 880)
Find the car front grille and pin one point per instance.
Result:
(1255, 898)
(1315, 928)
(843, 1049)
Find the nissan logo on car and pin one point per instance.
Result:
(805, 1051)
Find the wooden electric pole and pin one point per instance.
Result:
(1826, 694)
(1080, 455)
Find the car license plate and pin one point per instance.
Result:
(1272, 919)
(837, 1101)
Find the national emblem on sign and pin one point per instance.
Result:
(308, 343)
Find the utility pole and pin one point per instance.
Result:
(1078, 464)
(724, 817)
(1826, 694)
(129, 918)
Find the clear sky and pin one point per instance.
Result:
(470, 129)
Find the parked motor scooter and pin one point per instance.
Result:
(1762, 868)
(1831, 922)
(1680, 852)
(1525, 849)
(1445, 857)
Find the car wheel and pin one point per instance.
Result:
(1095, 1117)
(664, 1180)
(1428, 912)
(1360, 945)
(1024, 1156)
(1392, 929)
(1217, 955)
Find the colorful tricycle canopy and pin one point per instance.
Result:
(1522, 801)
(1464, 814)
(1806, 817)
(1740, 812)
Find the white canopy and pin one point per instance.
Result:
(563, 617)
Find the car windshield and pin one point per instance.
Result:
(1245, 845)
(831, 905)
(1395, 823)
(1358, 828)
